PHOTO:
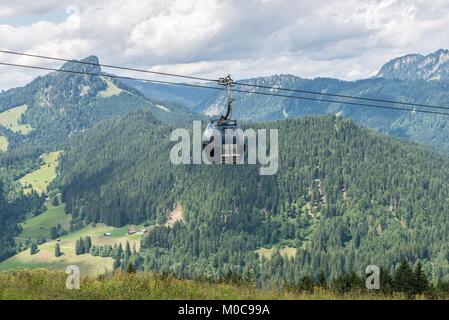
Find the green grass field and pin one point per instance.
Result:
(267, 253)
(45, 258)
(4, 144)
(10, 120)
(41, 178)
(112, 89)
(50, 285)
(88, 264)
(41, 225)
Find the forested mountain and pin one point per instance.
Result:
(432, 67)
(415, 78)
(40, 117)
(344, 197)
(13, 207)
(58, 104)
(187, 96)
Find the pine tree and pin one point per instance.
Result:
(118, 252)
(322, 281)
(420, 282)
(34, 249)
(53, 233)
(403, 279)
(55, 201)
(307, 284)
(116, 264)
(60, 230)
(127, 251)
(130, 268)
(79, 247)
(248, 273)
(57, 250)
(87, 244)
(82, 248)
(110, 251)
(386, 281)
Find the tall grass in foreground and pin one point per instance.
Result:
(50, 285)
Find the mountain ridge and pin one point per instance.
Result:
(341, 193)
(431, 67)
(429, 129)
(61, 103)
(89, 64)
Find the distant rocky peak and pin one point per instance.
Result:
(434, 66)
(90, 64)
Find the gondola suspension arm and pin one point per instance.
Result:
(227, 81)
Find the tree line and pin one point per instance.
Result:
(344, 198)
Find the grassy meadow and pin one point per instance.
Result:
(41, 225)
(4, 143)
(42, 177)
(268, 253)
(111, 90)
(10, 119)
(50, 285)
(45, 257)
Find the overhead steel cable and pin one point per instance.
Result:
(221, 88)
(335, 95)
(109, 75)
(108, 66)
(342, 96)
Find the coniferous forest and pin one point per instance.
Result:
(344, 197)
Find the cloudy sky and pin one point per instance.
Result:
(346, 39)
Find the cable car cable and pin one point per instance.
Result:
(108, 66)
(220, 88)
(342, 96)
(235, 83)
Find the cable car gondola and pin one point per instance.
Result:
(231, 151)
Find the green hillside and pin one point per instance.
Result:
(89, 264)
(45, 258)
(40, 226)
(14, 206)
(344, 197)
(10, 119)
(4, 144)
(36, 120)
(39, 117)
(427, 129)
(41, 178)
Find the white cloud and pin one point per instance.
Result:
(21, 7)
(348, 39)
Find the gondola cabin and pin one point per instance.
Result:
(231, 151)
